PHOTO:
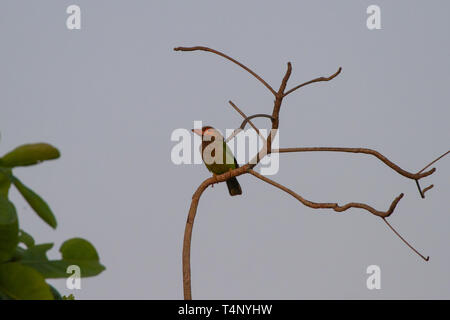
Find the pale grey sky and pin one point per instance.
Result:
(110, 95)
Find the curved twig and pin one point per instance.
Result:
(187, 240)
(229, 58)
(333, 206)
(338, 208)
(258, 115)
(246, 119)
(415, 176)
(314, 80)
(190, 224)
(237, 130)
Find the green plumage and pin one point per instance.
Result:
(228, 163)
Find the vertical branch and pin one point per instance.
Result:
(190, 224)
(188, 237)
(276, 108)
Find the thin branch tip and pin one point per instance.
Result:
(428, 188)
(427, 258)
(435, 160)
(223, 55)
(410, 175)
(334, 75)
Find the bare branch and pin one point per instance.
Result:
(285, 80)
(422, 193)
(427, 188)
(246, 119)
(229, 58)
(336, 207)
(314, 80)
(247, 168)
(435, 160)
(406, 242)
(263, 151)
(258, 115)
(276, 108)
(333, 206)
(415, 176)
(190, 224)
(187, 240)
(233, 134)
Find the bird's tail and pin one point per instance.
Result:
(233, 187)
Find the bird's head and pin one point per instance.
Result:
(207, 131)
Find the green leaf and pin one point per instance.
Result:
(26, 238)
(29, 154)
(36, 202)
(74, 251)
(9, 229)
(56, 294)
(18, 254)
(5, 182)
(78, 249)
(22, 282)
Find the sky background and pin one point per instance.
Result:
(110, 95)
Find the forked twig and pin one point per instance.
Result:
(422, 195)
(422, 192)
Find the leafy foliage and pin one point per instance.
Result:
(75, 251)
(24, 265)
(22, 282)
(9, 229)
(29, 154)
(36, 202)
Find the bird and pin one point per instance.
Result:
(209, 135)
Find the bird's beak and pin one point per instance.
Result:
(197, 131)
